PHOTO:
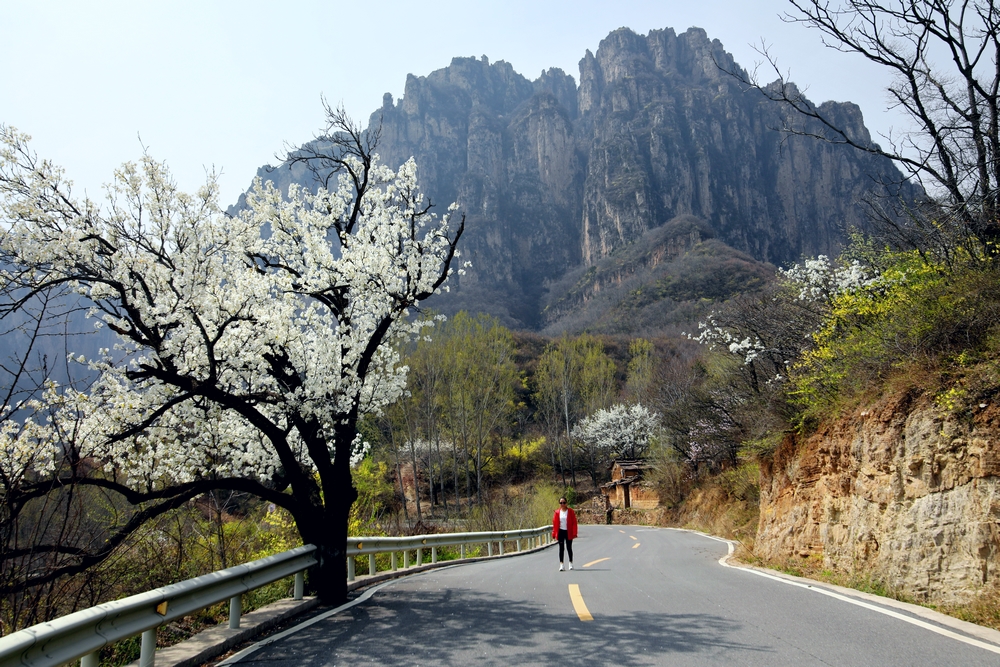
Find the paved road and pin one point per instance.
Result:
(655, 596)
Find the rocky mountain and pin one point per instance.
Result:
(556, 177)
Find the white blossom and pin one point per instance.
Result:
(274, 308)
(621, 430)
(821, 279)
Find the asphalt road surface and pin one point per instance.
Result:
(637, 596)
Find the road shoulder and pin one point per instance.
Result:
(964, 627)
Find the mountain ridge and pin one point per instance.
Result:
(555, 176)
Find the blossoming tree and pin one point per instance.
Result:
(619, 431)
(248, 346)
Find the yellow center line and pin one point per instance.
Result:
(595, 562)
(633, 537)
(578, 604)
(635, 546)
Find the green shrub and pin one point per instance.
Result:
(742, 482)
(918, 312)
(376, 497)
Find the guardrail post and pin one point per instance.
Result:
(90, 660)
(147, 649)
(501, 547)
(489, 548)
(461, 550)
(420, 556)
(434, 554)
(350, 568)
(300, 587)
(371, 564)
(518, 544)
(392, 562)
(406, 559)
(235, 611)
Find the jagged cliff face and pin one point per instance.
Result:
(668, 132)
(504, 148)
(900, 489)
(553, 176)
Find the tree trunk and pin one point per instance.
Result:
(402, 489)
(557, 453)
(468, 475)
(329, 577)
(430, 477)
(326, 528)
(479, 472)
(416, 479)
(441, 473)
(454, 462)
(569, 443)
(324, 512)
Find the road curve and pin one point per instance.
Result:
(637, 596)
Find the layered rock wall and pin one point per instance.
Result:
(902, 490)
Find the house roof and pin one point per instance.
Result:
(631, 464)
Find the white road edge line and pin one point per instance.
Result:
(888, 612)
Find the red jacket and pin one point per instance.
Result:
(570, 525)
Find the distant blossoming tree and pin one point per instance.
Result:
(619, 431)
(248, 347)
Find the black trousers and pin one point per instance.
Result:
(563, 540)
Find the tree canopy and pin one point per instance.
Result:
(249, 346)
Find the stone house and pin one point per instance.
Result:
(627, 488)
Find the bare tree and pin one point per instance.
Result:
(945, 59)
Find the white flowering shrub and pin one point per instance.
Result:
(769, 334)
(719, 336)
(821, 279)
(761, 340)
(740, 393)
(249, 346)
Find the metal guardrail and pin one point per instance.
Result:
(83, 633)
(358, 546)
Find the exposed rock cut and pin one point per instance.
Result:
(902, 490)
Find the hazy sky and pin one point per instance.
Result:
(226, 84)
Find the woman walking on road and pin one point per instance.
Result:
(564, 530)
